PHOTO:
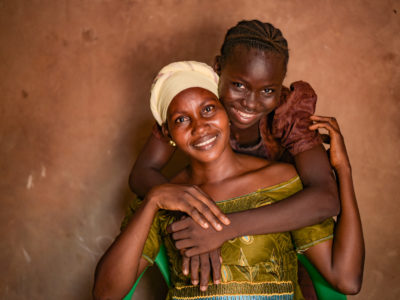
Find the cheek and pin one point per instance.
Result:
(271, 103)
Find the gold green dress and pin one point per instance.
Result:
(258, 267)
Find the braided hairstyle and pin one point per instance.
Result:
(255, 34)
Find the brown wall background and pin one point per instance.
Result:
(74, 85)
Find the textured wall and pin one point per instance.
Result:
(74, 84)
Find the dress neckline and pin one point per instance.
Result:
(265, 189)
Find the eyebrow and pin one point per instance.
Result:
(179, 112)
(239, 78)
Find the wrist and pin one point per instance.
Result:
(344, 169)
(231, 231)
(151, 202)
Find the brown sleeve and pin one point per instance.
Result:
(292, 118)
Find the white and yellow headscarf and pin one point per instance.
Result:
(176, 77)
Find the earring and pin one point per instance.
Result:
(172, 143)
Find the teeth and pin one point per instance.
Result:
(209, 141)
(244, 115)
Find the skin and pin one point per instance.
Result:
(251, 82)
(201, 130)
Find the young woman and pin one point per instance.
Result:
(184, 100)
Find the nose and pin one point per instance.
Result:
(199, 126)
(249, 102)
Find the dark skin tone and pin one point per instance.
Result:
(249, 88)
(200, 128)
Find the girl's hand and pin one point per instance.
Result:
(338, 154)
(191, 200)
(205, 263)
(194, 239)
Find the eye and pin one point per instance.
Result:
(181, 119)
(238, 85)
(209, 108)
(268, 91)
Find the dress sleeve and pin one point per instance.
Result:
(309, 236)
(153, 242)
(292, 118)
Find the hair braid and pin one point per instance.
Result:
(255, 34)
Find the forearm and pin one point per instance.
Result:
(142, 179)
(348, 245)
(118, 268)
(289, 214)
(146, 173)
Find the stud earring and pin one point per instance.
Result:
(172, 143)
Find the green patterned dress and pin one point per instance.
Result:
(256, 267)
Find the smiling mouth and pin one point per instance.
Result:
(205, 143)
(243, 115)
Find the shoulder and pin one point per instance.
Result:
(263, 173)
(278, 172)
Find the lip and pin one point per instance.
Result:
(205, 142)
(244, 117)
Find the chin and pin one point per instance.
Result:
(243, 125)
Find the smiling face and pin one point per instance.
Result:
(250, 84)
(198, 124)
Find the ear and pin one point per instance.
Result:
(217, 65)
(165, 131)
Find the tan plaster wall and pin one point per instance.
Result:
(74, 83)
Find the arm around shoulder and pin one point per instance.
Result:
(146, 172)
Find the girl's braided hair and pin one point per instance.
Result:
(255, 34)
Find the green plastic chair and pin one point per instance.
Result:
(322, 288)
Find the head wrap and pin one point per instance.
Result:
(176, 77)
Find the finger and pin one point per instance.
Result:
(324, 125)
(178, 225)
(180, 235)
(216, 266)
(193, 251)
(185, 265)
(326, 139)
(330, 120)
(183, 244)
(204, 271)
(209, 202)
(194, 269)
(197, 216)
(204, 208)
(187, 207)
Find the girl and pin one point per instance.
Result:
(184, 99)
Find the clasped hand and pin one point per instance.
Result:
(191, 200)
(200, 248)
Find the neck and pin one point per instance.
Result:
(223, 167)
(247, 136)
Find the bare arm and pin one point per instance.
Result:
(341, 260)
(119, 267)
(146, 172)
